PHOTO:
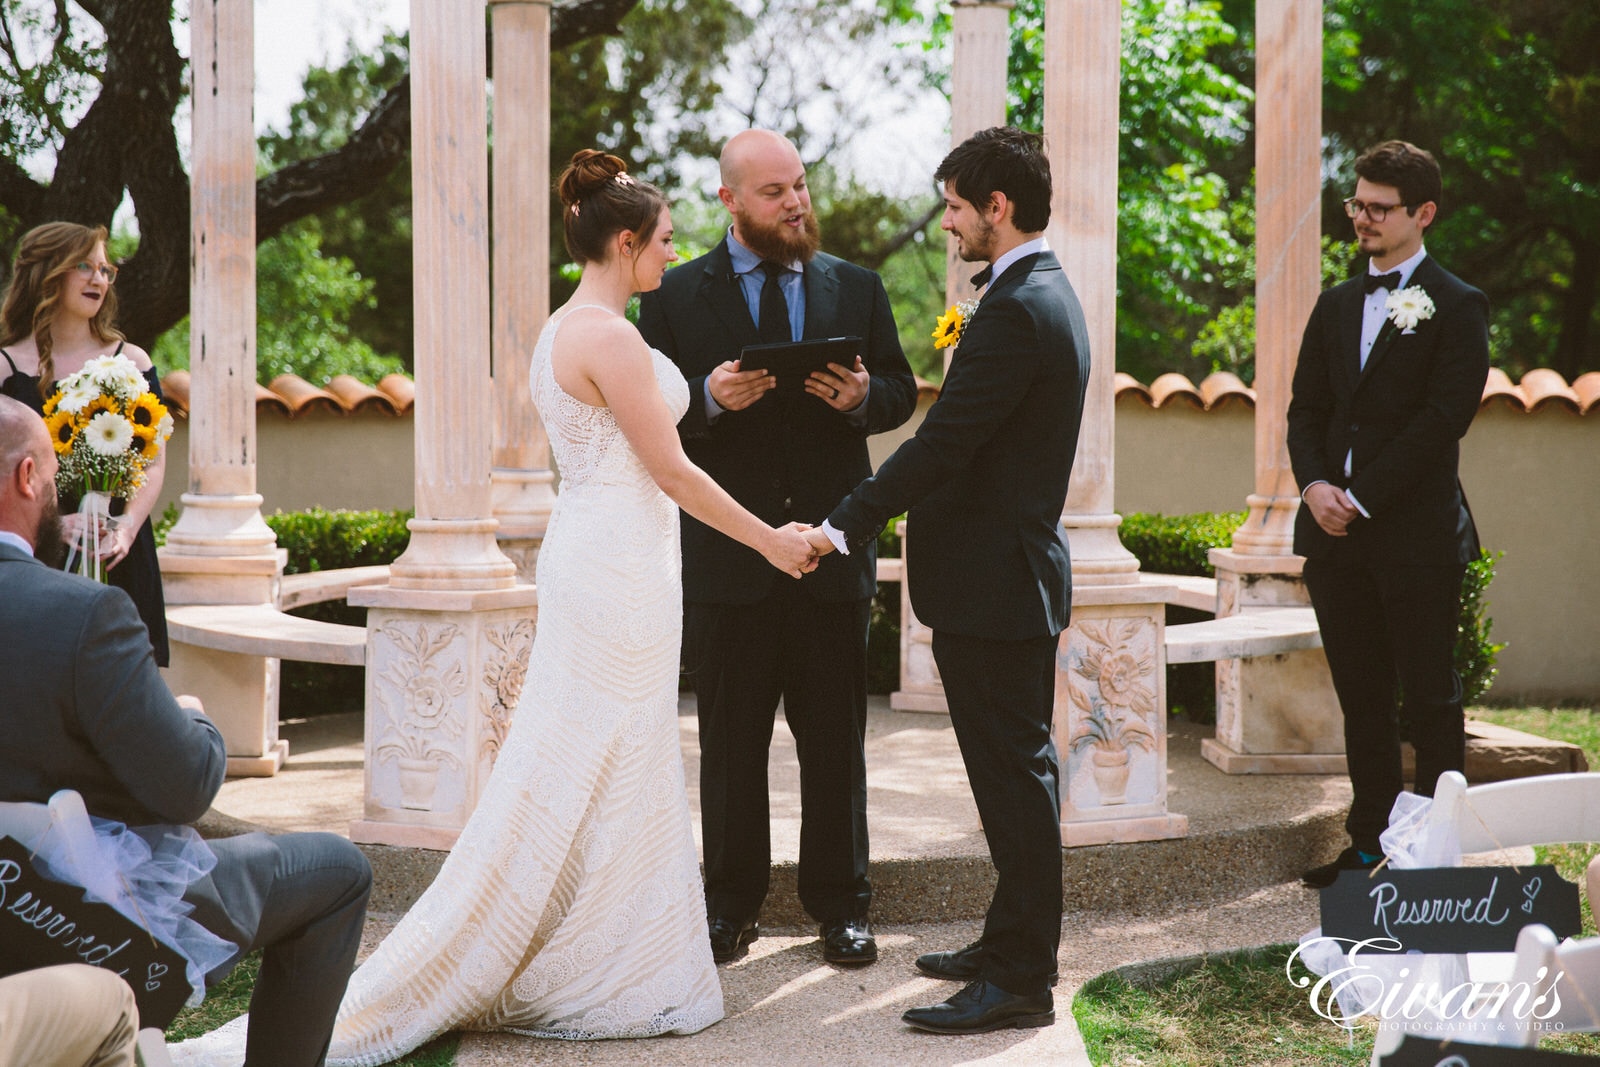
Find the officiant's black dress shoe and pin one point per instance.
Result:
(1351, 859)
(982, 1006)
(729, 939)
(848, 941)
(962, 965)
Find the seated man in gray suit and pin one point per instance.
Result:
(86, 709)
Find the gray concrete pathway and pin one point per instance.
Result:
(1228, 885)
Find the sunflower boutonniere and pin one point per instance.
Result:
(947, 332)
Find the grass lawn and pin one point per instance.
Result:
(1242, 1010)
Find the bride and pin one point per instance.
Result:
(572, 905)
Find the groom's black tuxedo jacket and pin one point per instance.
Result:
(1401, 420)
(985, 477)
(783, 458)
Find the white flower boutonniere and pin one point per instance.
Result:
(1409, 306)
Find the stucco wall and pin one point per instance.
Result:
(1533, 480)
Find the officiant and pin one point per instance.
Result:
(789, 449)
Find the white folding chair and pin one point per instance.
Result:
(1548, 809)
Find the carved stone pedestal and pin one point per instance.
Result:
(1276, 714)
(240, 692)
(1111, 720)
(444, 671)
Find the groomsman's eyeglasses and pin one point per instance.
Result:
(1375, 212)
(107, 272)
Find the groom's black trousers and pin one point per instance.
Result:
(744, 658)
(1002, 697)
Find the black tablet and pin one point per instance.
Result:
(792, 362)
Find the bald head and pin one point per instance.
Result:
(27, 469)
(754, 155)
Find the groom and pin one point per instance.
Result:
(985, 479)
(1390, 375)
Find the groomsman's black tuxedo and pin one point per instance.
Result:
(1387, 594)
(752, 634)
(985, 479)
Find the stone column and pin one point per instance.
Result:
(447, 638)
(980, 43)
(1278, 713)
(1110, 714)
(220, 551)
(981, 33)
(522, 486)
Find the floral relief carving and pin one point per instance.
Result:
(419, 691)
(1111, 674)
(504, 672)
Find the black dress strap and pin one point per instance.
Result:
(11, 361)
(118, 352)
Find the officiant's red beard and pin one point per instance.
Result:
(779, 241)
(48, 548)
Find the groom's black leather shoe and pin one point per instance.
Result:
(981, 1007)
(962, 965)
(1351, 859)
(729, 939)
(848, 941)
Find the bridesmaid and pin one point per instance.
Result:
(59, 313)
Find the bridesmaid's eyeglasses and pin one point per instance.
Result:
(107, 272)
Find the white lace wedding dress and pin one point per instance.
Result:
(572, 905)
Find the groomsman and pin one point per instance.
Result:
(751, 636)
(1390, 375)
(985, 479)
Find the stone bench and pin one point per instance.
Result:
(1256, 633)
(263, 630)
(315, 587)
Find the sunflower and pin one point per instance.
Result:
(96, 405)
(51, 404)
(146, 411)
(948, 329)
(63, 427)
(146, 443)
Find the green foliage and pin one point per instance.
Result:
(1177, 544)
(373, 233)
(320, 540)
(305, 303)
(1476, 651)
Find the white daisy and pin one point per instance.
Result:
(1409, 306)
(76, 392)
(109, 434)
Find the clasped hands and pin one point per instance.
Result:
(116, 536)
(1331, 508)
(841, 388)
(799, 548)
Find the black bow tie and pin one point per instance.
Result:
(981, 279)
(1374, 282)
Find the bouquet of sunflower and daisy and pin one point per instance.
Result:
(107, 427)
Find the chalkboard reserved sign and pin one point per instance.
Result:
(1429, 1052)
(1449, 909)
(44, 923)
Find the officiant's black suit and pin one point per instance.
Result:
(753, 634)
(1388, 593)
(985, 479)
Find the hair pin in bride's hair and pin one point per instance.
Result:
(574, 208)
(623, 178)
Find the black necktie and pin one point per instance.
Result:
(1374, 282)
(774, 324)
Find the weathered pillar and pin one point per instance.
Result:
(522, 486)
(1110, 714)
(448, 635)
(1278, 713)
(981, 33)
(220, 551)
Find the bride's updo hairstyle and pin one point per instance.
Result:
(600, 199)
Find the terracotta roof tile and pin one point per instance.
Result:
(396, 394)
